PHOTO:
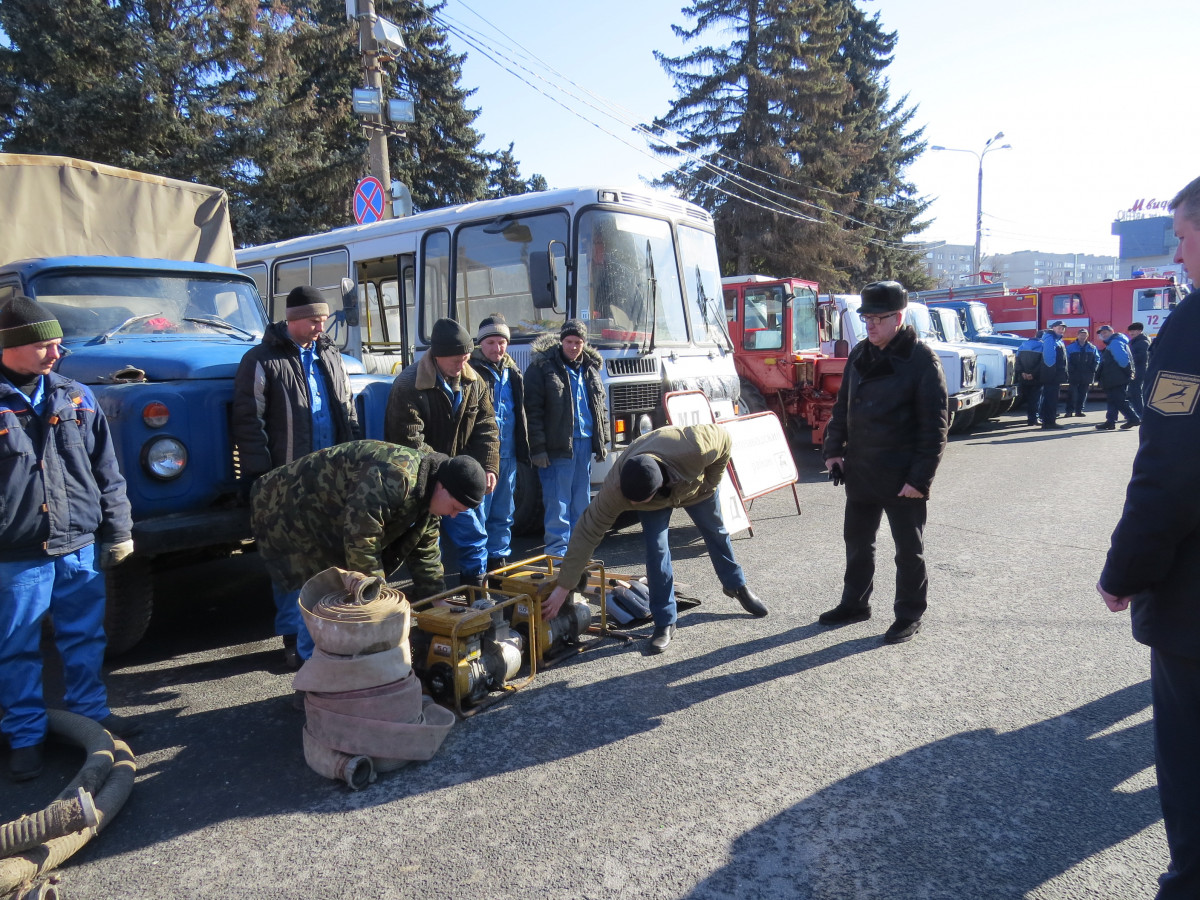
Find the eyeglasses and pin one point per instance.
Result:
(875, 320)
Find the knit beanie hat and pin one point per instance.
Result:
(304, 302)
(493, 325)
(24, 321)
(641, 477)
(449, 339)
(573, 327)
(464, 478)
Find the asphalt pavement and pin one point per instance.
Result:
(1006, 752)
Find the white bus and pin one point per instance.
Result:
(638, 267)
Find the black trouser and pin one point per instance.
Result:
(1175, 687)
(907, 521)
(1030, 393)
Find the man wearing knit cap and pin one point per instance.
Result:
(365, 506)
(291, 396)
(506, 389)
(439, 404)
(669, 468)
(885, 440)
(568, 426)
(61, 491)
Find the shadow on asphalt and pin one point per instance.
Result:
(976, 814)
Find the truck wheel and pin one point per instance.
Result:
(129, 600)
(528, 514)
(752, 399)
(961, 422)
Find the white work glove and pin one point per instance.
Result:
(113, 553)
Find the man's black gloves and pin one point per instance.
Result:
(836, 475)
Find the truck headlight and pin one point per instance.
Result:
(164, 458)
(644, 425)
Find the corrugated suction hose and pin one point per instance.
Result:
(106, 778)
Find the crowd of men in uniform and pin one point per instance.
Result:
(461, 419)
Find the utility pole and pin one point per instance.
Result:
(373, 79)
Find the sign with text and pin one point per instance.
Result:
(693, 408)
(762, 459)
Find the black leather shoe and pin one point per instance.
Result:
(749, 600)
(1107, 426)
(1051, 426)
(1125, 426)
(25, 764)
(844, 615)
(291, 658)
(661, 638)
(902, 630)
(121, 726)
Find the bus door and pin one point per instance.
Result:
(388, 314)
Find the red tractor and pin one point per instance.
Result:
(787, 351)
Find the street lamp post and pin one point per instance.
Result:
(987, 148)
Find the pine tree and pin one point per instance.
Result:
(504, 176)
(787, 139)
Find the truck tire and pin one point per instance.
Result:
(752, 399)
(129, 601)
(961, 422)
(528, 514)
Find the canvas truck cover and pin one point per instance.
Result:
(58, 206)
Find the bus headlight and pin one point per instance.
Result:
(644, 425)
(164, 458)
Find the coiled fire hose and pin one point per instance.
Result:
(33, 845)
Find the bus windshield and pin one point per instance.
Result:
(103, 305)
(702, 287)
(628, 288)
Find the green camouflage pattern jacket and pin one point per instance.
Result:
(362, 506)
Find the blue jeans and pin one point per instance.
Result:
(566, 492)
(72, 591)
(497, 511)
(659, 572)
(465, 538)
(289, 621)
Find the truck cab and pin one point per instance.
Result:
(958, 363)
(996, 369)
(159, 342)
(976, 323)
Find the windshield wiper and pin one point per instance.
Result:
(219, 323)
(717, 318)
(132, 320)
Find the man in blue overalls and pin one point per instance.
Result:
(61, 491)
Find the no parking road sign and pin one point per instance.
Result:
(368, 200)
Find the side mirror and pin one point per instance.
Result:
(350, 301)
(543, 285)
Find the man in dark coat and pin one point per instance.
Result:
(440, 404)
(567, 412)
(1139, 352)
(61, 492)
(1153, 566)
(1053, 372)
(1082, 359)
(506, 388)
(1114, 374)
(1029, 384)
(885, 440)
(291, 396)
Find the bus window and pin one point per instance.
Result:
(258, 271)
(492, 271)
(435, 280)
(1068, 305)
(622, 258)
(325, 272)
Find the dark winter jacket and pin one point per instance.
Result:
(1139, 351)
(419, 415)
(483, 366)
(548, 408)
(1155, 553)
(1115, 370)
(60, 486)
(890, 419)
(1082, 360)
(1054, 359)
(1029, 360)
(272, 411)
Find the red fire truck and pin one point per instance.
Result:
(785, 350)
(1115, 303)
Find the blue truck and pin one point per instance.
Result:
(156, 327)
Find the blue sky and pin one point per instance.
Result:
(1092, 95)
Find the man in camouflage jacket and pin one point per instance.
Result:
(366, 506)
